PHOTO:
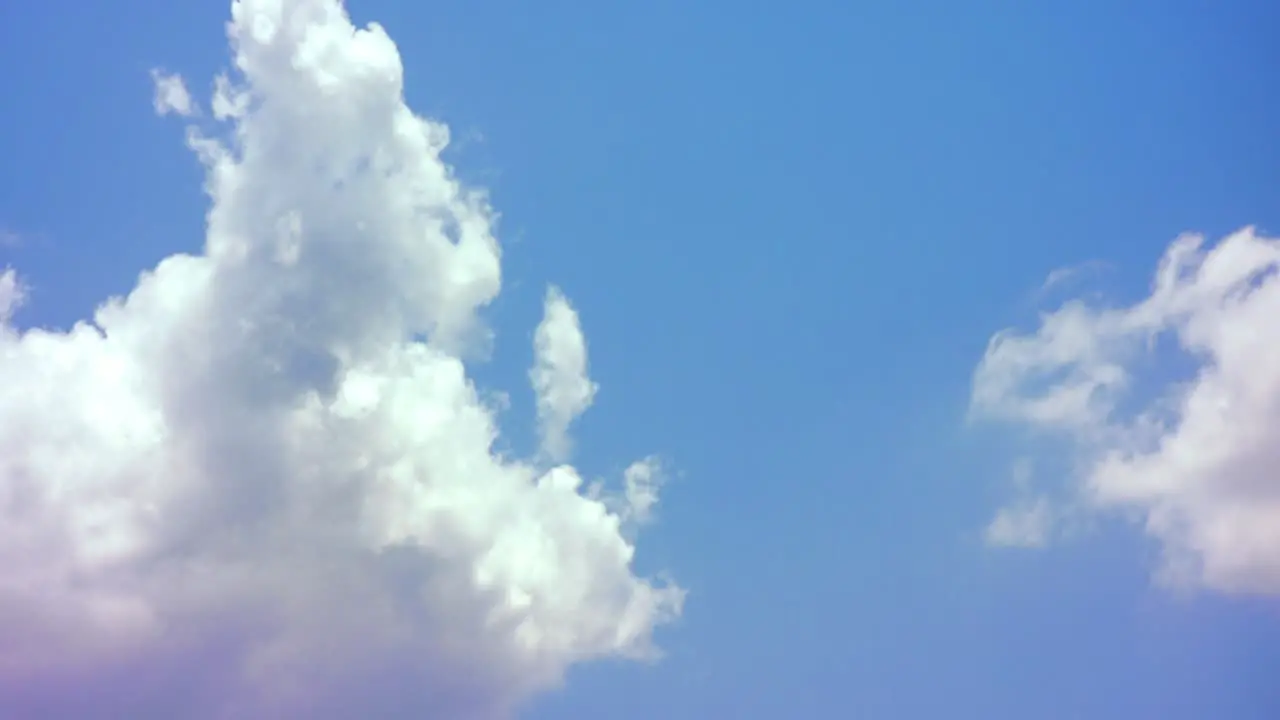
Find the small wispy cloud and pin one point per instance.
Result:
(1024, 524)
(1062, 278)
(171, 95)
(559, 375)
(1027, 521)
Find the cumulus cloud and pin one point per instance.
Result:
(559, 373)
(1195, 459)
(262, 484)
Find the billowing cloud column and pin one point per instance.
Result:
(262, 484)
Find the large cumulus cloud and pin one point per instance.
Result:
(262, 485)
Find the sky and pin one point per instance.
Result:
(682, 360)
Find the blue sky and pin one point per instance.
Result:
(789, 234)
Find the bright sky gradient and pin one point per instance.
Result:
(752, 263)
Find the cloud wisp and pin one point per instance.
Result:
(171, 95)
(1199, 463)
(262, 484)
(559, 374)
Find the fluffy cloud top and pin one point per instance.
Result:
(245, 490)
(1200, 462)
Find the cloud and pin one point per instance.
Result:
(1197, 462)
(641, 482)
(1028, 520)
(12, 294)
(245, 491)
(171, 95)
(1025, 524)
(559, 373)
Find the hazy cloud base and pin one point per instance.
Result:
(243, 491)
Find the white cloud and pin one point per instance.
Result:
(171, 95)
(12, 294)
(559, 374)
(1024, 524)
(1198, 463)
(1026, 521)
(243, 491)
(642, 480)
